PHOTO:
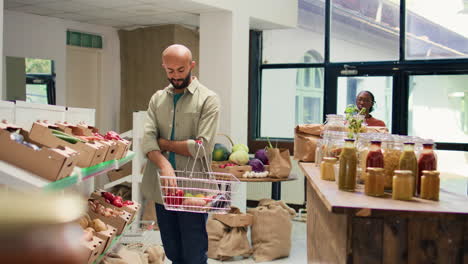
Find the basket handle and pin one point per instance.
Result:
(199, 144)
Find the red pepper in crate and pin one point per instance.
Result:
(112, 135)
(115, 200)
(96, 134)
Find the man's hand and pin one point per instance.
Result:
(163, 143)
(169, 185)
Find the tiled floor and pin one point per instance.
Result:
(298, 250)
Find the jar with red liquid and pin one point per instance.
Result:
(427, 161)
(375, 157)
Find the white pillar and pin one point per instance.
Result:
(224, 65)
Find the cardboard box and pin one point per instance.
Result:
(49, 163)
(234, 220)
(131, 209)
(87, 130)
(123, 171)
(118, 222)
(107, 236)
(122, 145)
(92, 249)
(91, 153)
(122, 148)
(112, 149)
(81, 130)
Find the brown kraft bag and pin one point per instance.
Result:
(271, 230)
(305, 141)
(280, 162)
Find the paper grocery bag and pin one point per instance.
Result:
(280, 162)
(305, 141)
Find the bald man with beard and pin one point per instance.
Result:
(178, 115)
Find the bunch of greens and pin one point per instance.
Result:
(354, 123)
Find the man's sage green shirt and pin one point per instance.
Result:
(196, 118)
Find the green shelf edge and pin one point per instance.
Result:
(114, 241)
(86, 172)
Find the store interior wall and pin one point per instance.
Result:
(15, 78)
(32, 36)
(142, 71)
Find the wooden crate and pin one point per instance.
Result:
(237, 171)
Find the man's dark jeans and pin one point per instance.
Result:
(183, 236)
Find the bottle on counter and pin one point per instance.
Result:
(348, 167)
(375, 182)
(375, 158)
(408, 161)
(362, 147)
(327, 170)
(430, 185)
(403, 185)
(427, 161)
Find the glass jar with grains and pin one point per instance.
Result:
(391, 148)
(334, 123)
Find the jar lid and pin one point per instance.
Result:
(26, 209)
(431, 173)
(329, 159)
(403, 172)
(372, 169)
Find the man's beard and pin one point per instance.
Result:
(185, 81)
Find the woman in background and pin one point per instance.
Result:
(365, 99)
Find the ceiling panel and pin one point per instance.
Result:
(144, 10)
(105, 13)
(12, 4)
(67, 6)
(110, 22)
(76, 17)
(108, 3)
(35, 2)
(116, 13)
(37, 10)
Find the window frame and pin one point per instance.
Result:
(401, 69)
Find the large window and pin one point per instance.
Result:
(289, 45)
(438, 107)
(415, 64)
(436, 29)
(364, 30)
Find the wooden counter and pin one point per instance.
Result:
(350, 227)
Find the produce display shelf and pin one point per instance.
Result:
(113, 243)
(81, 174)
